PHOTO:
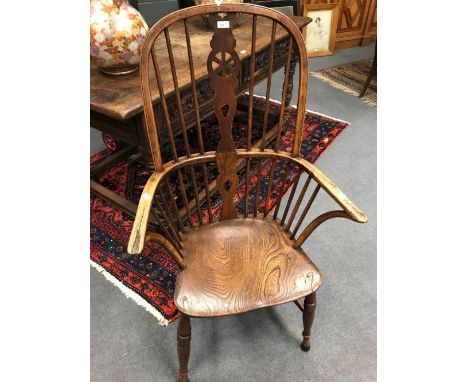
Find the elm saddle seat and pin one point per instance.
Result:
(239, 265)
(231, 262)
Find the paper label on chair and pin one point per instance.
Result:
(224, 24)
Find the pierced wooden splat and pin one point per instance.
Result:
(224, 79)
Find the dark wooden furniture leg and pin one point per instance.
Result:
(183, 346)
(308, 315)
(371, 74)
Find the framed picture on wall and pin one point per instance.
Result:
(320, 33)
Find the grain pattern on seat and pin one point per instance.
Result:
(239, 265)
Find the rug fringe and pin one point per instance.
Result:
(131, 294)
(368, 101)
(307, 110)
(328, 116)
(342, 88)
(334, 84)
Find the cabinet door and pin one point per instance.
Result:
(351, 22)
(370, 32)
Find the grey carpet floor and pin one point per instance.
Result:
(127, 344)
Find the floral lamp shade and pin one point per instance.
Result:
(117, 32)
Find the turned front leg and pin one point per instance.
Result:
(308, 315)
(183, 346)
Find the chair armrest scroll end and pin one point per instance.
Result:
(136, 243)
(354, 212)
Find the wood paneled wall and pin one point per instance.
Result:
(357, 21)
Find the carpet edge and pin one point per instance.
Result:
(334, 83)
(343, 88)
(128, 293)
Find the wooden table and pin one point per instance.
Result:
(116, 104)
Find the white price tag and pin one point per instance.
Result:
(223, 24)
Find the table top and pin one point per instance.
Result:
(119, 97)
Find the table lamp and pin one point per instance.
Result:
(117, 32)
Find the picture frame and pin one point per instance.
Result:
(320, 34)
(287, 7)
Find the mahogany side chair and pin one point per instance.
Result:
(229, 262)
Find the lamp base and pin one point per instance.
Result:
(119, 71)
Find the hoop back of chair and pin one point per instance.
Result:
(222, 71)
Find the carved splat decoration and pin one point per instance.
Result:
(223, 68)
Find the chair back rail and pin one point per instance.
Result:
(160, 80)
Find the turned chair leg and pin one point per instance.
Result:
(183, 346)
(308, 315)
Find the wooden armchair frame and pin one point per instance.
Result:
(182, 231)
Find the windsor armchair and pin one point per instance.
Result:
(242, 258)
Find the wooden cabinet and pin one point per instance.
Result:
(357, 22)
(370, 29)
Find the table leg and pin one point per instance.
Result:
(111, 160)
(371, 74)
(144, 148)
(103, 192)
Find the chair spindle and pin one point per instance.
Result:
(259, 182)
(174, 206)
(268, 89)
(290, 199)
(197, 116)
(247, 181)
(270, 181)
(306, 209)
(184, 196)
(197, 198)
(284, 95)
(251, 85)
(298, 203)
(164, 105)
(168, 219)
(180, 109)
(194, 88)
(165, 230)
(282, 189)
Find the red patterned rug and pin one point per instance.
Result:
(149, 279)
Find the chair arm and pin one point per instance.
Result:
(136, 242)
(351, 210)
(332, 189)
